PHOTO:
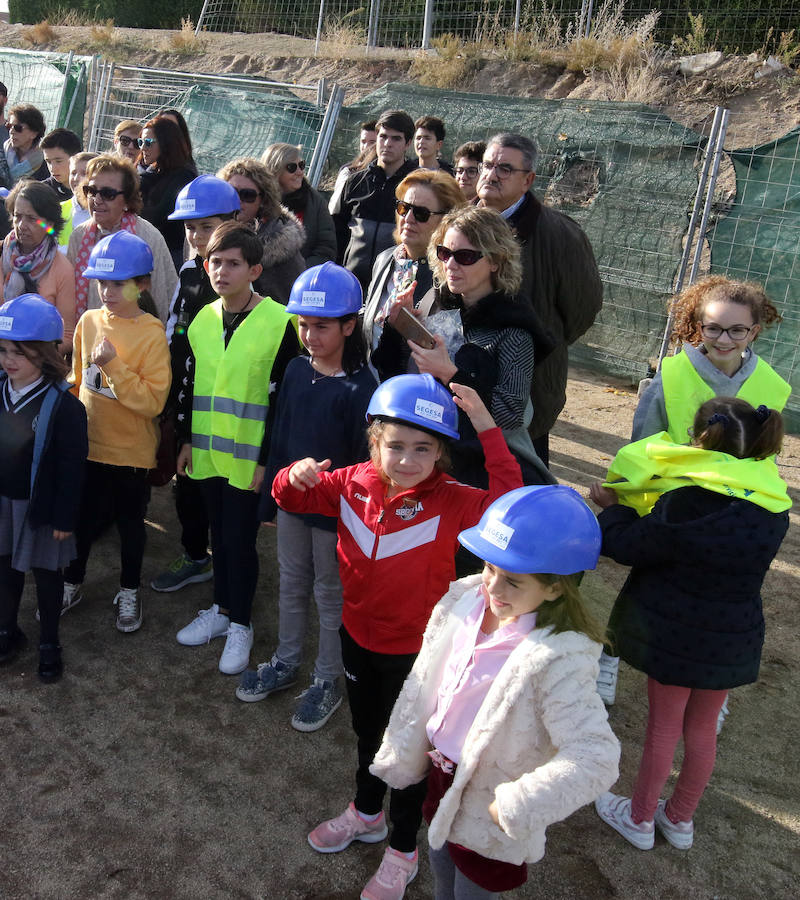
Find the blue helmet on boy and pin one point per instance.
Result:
(416, 400)
(542, 529)
(206, 196)
(328, 291)
(119, 256)
(30, 317)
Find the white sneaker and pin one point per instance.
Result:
(723, 714)
(210, 623)
(72, 597)
(607, 678)
(616, 812)
(236, 654)
(679, 834)
(129, 610)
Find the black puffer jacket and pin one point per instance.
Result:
(690, 612)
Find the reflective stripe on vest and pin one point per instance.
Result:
(231, 390)
(644, 470)
(685, 392)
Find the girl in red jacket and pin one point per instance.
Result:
(398, 521)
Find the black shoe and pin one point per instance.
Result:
(12, 640)
(50, 665)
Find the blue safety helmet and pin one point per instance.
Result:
(542, 529)
(416, 400)
(119, 256)
(30, 317)
(206, 196)
(328, 291)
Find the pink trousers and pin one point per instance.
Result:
(675, 712)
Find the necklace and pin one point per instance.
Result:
(236, 316)
(318, 376)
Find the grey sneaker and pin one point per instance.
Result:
(129, 610)
(317, 705)
(268, 677)
(181, 572)
(72, 597)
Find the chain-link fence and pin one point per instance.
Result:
(227, 116)
(55, 83)
(735, 25)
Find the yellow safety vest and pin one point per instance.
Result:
(644, 470)
(231, 390)
(685, 392)
(66, 215)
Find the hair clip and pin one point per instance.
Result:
(762, 413)
(46, 226)
(719, 417)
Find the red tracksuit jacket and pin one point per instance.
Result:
(396, 556)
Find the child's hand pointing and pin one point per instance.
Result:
(304, 474)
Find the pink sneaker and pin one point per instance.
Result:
(336, 834)
(394, 874)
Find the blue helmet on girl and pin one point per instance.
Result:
(30, 317)
(327, 291)
(206, 196)
(541, 529)
(416, 400)
(119, 256)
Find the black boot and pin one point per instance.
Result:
(50, 665)
(12, 640)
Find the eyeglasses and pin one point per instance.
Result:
(464, 257)
(469, 171)
(107, 193)
(292, 167)
(125, 141)
(248, 195)
(17, 126)
(421, 213)
(145, 142)
(735, 332)
(503, 170)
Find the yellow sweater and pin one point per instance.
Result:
(122, 398)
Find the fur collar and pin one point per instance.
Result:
(282, 238)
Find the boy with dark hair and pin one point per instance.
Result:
(240, 346)
(57, 147)
(428, 139)
(365, 216)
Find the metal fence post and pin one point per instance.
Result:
(200, 20)
(372, 26)
(427, 25)
(585, 27)
(717, 154)
(325, 137)
(517, 16)
(67, 69)
(319, 25)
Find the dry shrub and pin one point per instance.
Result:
(342, 37)
(451, 64)
(612, 43)
(103, 34)
(644, 81)
(62, 15)
(185, 41)
(39, 34)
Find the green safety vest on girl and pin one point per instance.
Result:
(685, 392)
(231, 390)
(644, 470)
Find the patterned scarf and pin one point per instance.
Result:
(22, 166)
(23, 270)
(91, 236)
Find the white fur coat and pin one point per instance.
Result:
(540, 744)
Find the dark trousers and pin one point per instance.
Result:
(542, 447)
(233, 517)
(191, 509)
(373, 684)
(49, 591)
(112, 493)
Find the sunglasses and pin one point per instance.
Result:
(421, 213)
(17, 126)
(463, 257)
(125, 141)
(145, 142)
(248, 195)
(107, 193)
(292, 167)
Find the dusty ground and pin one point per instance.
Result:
(140, 775)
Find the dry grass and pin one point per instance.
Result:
(341, 37)
(39, 34)
(185, 42)
(644, 81)
(696, 41)
(451, 65)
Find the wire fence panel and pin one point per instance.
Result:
(626, 173)
(227, 116)
(296, 17)
(55, 83)
(757, 238)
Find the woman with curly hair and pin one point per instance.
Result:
(23, 156)
(279, 230)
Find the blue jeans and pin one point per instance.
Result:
(308, 564)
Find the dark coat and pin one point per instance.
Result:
(690, 612)
(282, 261)
(561, 281)
(159, 193)
(311, 209)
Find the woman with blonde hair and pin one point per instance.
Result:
(126, 135)
(285, 162)
(424, 197)
(281, 234)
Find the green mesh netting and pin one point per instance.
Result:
(626, 173)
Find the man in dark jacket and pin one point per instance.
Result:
(559, 274)
(365, 215)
